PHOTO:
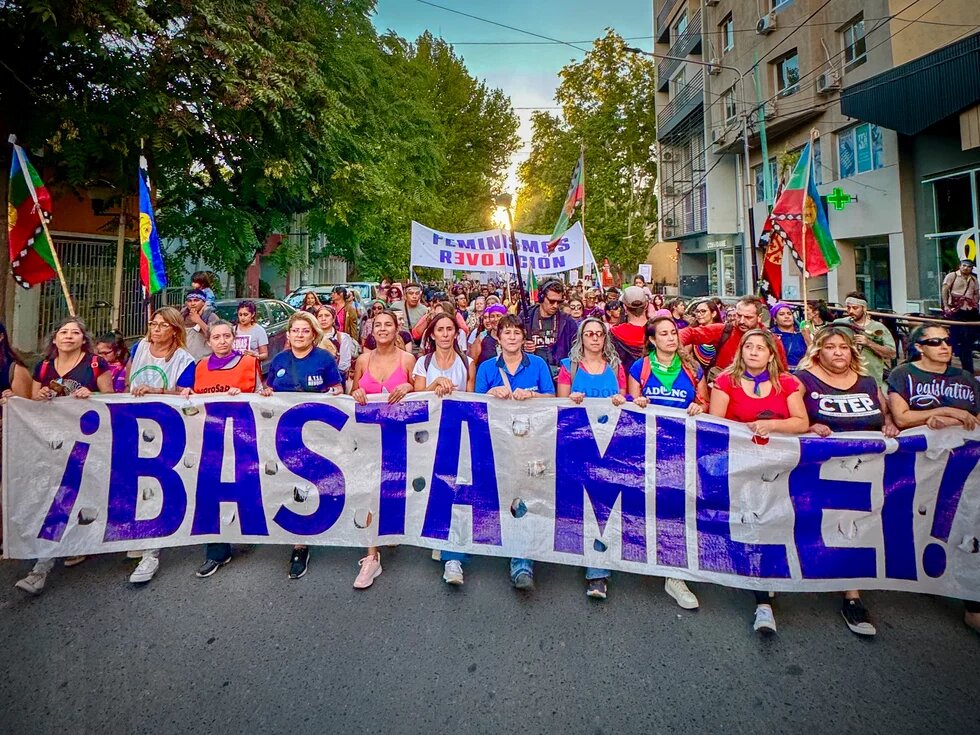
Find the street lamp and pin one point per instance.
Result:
(749, 224)
(504, 201)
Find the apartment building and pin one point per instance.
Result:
(893, 168)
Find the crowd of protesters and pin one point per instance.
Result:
(771, 368)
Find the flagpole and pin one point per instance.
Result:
(118, 275)
(582, 153)
(44, 224)
(806, 193)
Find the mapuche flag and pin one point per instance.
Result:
(576, 195)
(28, 200)
(153, 273)
(532, 283)
(812, 245)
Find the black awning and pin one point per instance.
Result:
(916, 95)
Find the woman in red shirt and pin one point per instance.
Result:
(755, 390)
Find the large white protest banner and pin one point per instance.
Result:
(491, 252)
(645, 491)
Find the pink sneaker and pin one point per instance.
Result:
(370, 569)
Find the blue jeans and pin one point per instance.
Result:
(518, 566)
(218, 552)
(454, 556)
(596, 573)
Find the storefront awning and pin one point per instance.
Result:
(916, 95)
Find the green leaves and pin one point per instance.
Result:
(607, 106)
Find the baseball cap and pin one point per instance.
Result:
(634, 296)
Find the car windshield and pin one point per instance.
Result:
(228, 312)
(296, 300)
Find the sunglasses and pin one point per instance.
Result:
(935, 341)
(593, 335)
(553, 302)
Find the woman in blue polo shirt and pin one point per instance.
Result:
(593, 370)
(519, 376)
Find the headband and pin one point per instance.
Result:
(855, 301)
(495, 309)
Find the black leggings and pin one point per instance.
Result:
(972, 606)
(761, 598)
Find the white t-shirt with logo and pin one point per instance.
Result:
(250, 339)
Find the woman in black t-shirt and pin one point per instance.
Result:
(839, 395)
(928, 390)
(70, 366)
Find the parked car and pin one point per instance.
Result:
(366, 291)
(271, 314)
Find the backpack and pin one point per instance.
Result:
(647, 370)
(47, 363)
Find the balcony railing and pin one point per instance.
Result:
(662, 18)
(688, 43)
(684, 103)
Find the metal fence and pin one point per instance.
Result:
(89, 267)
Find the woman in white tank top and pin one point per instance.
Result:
(443, 368)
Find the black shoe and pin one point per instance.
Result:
(856, 617)
(210, 566)
(597, 588)
(299, 563)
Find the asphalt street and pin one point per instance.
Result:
(248, 651)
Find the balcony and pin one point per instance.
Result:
(663, 27)
(686, 102)
(689, 43)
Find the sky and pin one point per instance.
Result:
(527, 70)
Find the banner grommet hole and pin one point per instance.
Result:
(418, 484)
(599, 546)
(421, 437)
(87, 516)
(363, 518)
(518, 508)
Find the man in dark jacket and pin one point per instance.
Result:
(550, 332)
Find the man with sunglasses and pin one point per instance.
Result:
(550, 332)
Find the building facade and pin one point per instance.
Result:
(784, 71)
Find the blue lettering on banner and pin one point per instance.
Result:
(445, 256)
(671, 506)
(245, 491)
(717, 551)
(960, 465)
(812, 494)
(128, 468)
(580, 470)
(394, 420)
(896, 512)
(446, 491)
(304, 463)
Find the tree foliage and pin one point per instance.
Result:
(607, 106)
(253, 111)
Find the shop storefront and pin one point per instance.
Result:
(955, 220)
(711, 265)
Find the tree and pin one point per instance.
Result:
(607, 106)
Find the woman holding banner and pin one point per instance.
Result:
(665, 378)
(755, 390)
(69, 367)
(444, 368)
(592, 370)
(385, 370)
(303, 368)
(158, 365)
(231, 373)
(928, 391)
(839, 395)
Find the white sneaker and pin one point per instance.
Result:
(679, 590)
(33, 583)
(145, 571)
(765, 621)
(453, 573)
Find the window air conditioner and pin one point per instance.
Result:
(828, 82)
(711, 3)
(666, 155)
(766, 24)
(668, 221)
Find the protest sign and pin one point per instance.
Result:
(490, 251)
(644, 491)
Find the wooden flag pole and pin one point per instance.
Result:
(584, 249)
(118, 274)
(44, 224)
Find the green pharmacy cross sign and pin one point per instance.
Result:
(840, 198)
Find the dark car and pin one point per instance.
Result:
(271, 314)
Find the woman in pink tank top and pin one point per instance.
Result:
(384, 370)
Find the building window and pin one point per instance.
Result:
(678, 82)
(779, 4)
(731, 106)
(680, 25)
(728, 33)
(855, 46)
(760, 183)
(788, 74)
(860, 149)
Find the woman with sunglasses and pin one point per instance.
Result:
(928, 391)
(250, 336)
(69, 367)
(112, 348)
(840, 396)
(575, 308)
(592, 370)
(755, 390)
(385, 370)
(303, 368)
(159, 364)
(704, 313)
